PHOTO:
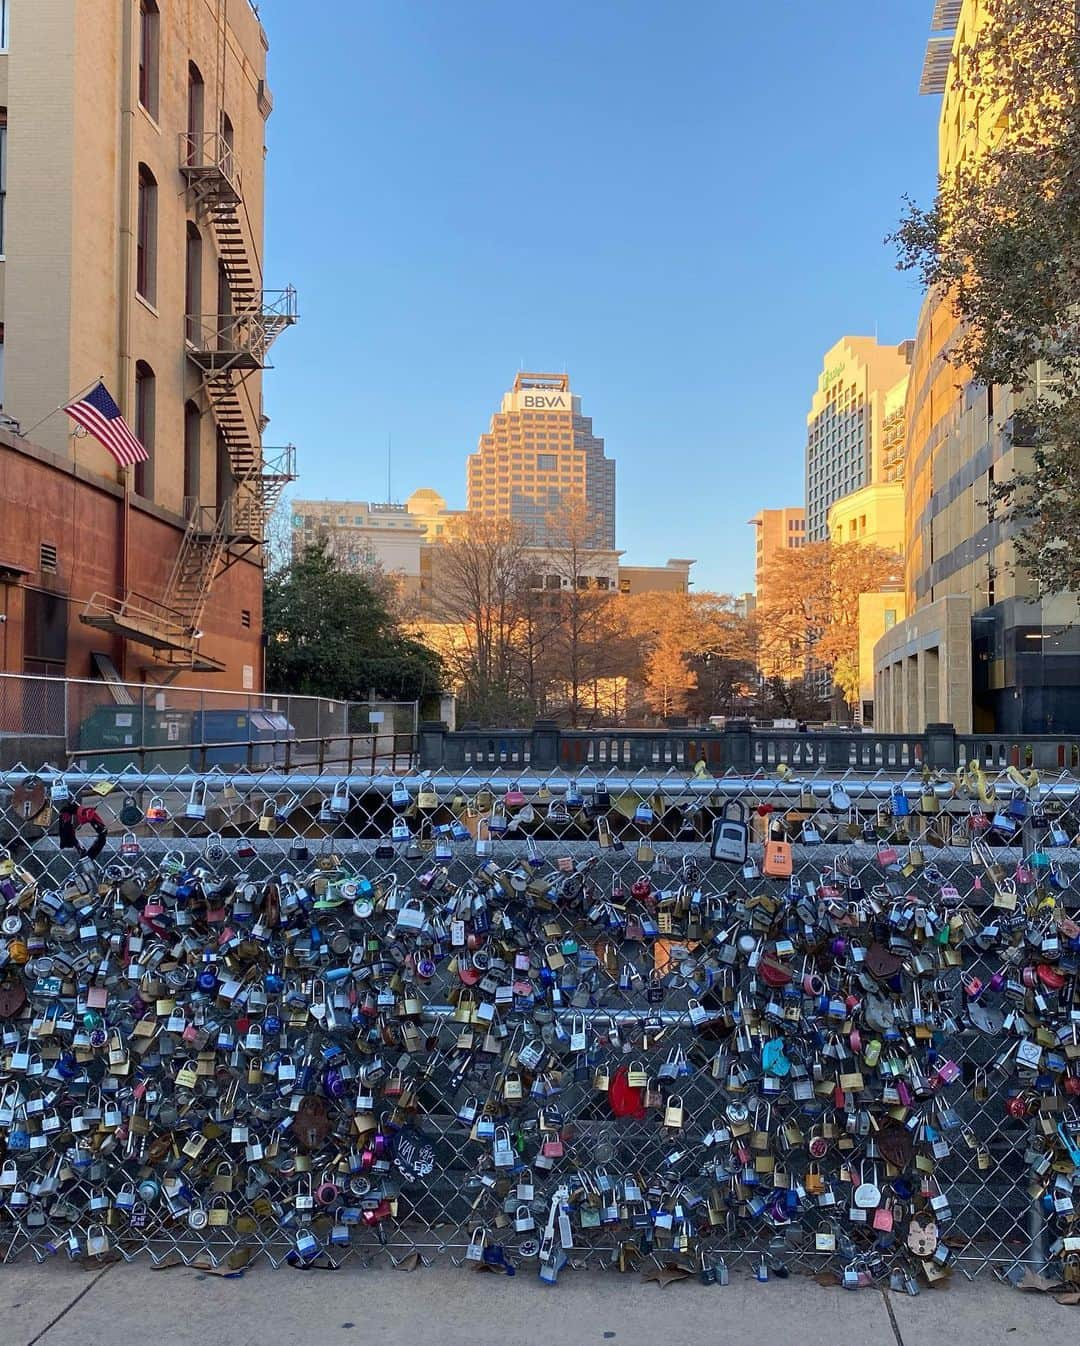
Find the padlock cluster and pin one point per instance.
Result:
(529, 1051)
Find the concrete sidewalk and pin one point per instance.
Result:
(60, 1305)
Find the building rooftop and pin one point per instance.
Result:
(946, 16)
(935, 71)
(524, 380)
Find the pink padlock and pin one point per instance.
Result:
(327, 1193)
(813, 984)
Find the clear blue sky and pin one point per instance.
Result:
(683, 205)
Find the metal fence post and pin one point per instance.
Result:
(941, 747)
(545, 745)
(432, 745)
(738, 748)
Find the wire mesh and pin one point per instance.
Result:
(817, 1021)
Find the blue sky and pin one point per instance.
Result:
(683, 205)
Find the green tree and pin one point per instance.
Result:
(1002, 241)
(331, 633)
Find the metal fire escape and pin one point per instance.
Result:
(226, 348)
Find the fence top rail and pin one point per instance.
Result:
(154, 689)
(878, 787)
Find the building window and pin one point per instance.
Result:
(4, 25)
(546, 462)
(146, 237)
(193, 285)
(45, 628)
(196, 102)
(890, 618)
(245, 618)
(144, 425)
(192, 426)
(3, 177)
(148, 55)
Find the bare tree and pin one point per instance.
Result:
(278, 546)
(584, 638)
(478, 579)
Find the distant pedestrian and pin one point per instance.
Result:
(803, 727)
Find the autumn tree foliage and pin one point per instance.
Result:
(526, 632)
(685, 640)
(811, 616)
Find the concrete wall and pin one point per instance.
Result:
(879, 612)
(922, 670)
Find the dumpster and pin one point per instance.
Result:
(267, 730)
(165, 734)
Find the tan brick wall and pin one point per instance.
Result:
(65, 295)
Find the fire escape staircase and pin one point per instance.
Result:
(226, 348)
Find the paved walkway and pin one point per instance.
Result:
(60, 1305)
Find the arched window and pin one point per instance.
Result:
(145, 397)
(192, 437)
(148, 55)
(193, 285)
(196, 99)
(146, 236)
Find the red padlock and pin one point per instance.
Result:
(1051, 977)
(641, 888)
(1018, 1107)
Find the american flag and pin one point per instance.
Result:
(99, 416)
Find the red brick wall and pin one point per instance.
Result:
(41, 500)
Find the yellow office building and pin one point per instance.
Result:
(845, 427)
(980, 648)
(874, 517)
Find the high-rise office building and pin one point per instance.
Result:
(774, 530)
(539, 454)
(981, 648)
(846, 440)
(132, 153)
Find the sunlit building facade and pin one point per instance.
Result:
(981, 648)
(538, 455)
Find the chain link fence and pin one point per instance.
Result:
(787, 1021)
(111, 724)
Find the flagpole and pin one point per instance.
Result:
(63, 407)
(125, 529)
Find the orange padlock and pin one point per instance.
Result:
(777, 860)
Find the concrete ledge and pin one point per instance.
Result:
(446, 1306)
